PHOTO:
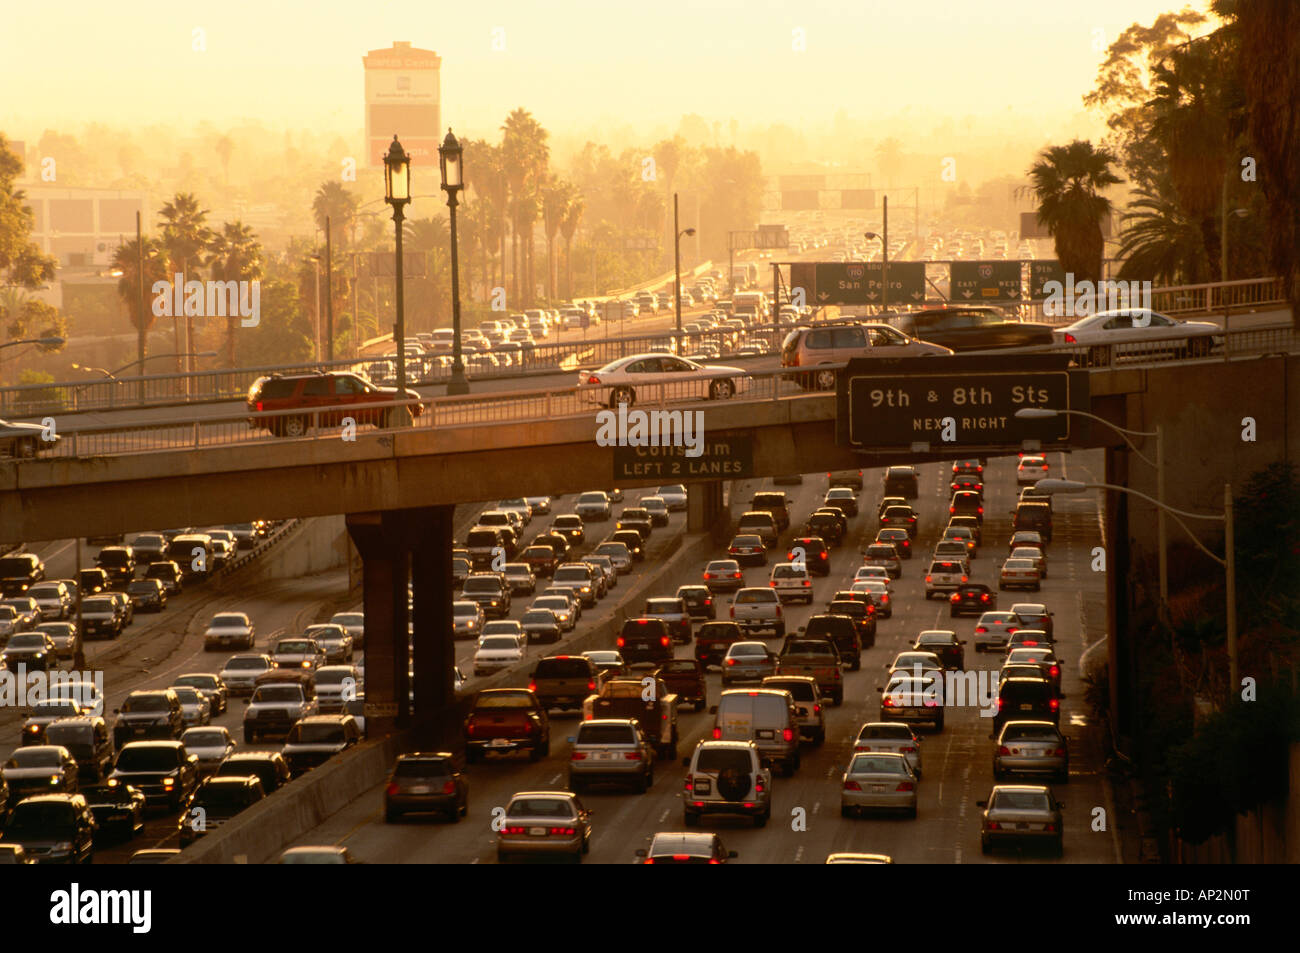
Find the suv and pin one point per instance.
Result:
(765, 716)
(484, 542)
(967, 503)
(900, 481)
(312, 391)
(672, 609)
(168, 572)
(315, 739)
(714, 639)
(884, 555)
(757, 610)
(774, 503)
(20, 572)
(426, 782)
(276, 705)
(611, 750)
(945, 575)
(563, 681)
(86, 738)
(267, 766)
(807, 704)
(119, 563)
(760, 523)
(645, 640)
(791, 581)
(53, 829)
(148, 714)
(218, 800)
(727, 777)
(160, 770)
(1033, 516)
(1026, 699)
(490, 591)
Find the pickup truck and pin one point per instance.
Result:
(673, 611)
(756, 609)
(685, 679)
(507, 719)
(563, 681)
(626, 698)
(816, 658)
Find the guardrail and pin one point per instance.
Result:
(556, 403)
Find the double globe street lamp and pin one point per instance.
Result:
(397, 193)
(453, 180)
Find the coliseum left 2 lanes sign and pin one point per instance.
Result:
(729, 457)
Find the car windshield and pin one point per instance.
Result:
(538, 617)
(278, 693)
(145, 703)
(188, 696)
(240, 663)
(196, 681)
(881, 551)
(539, 807)
(558, 603)
(668, 606)
(27, 640)
(562, 668)
(57, 706)
(498, 642)
(722, 565)
(220, 799)
(593, 498)
(755, 649)
(142, 586)
(611, 549)
(315, 734)
(349, 618)
(1018, 564)
(146, 758)
(294, 647)
(203, 738)
(43, 592)
(1020, 801)
(1014, 732)
(504, 700)
(572, 574)
(97, 604)
(756, 595)
(34, 758)
(787, 571)
(882, 732)
(464, 609)
(34, 817)
(421, 768)
(483, 585)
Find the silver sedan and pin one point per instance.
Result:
(1021, 813)
(1031, 747)
(883, 781)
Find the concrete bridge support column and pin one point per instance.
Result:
(703, 506)
(1119, 593)
(434, 650)
(380, 539)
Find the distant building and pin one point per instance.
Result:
(82, 228)
(403, 98)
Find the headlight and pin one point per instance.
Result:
(306, 663)
(55, 778)
(168, 782)
(62, 847)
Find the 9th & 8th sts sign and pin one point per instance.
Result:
(896, 410)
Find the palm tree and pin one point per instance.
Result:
(525, 155)
(186, 238)
(339, 205)
(427, 297)
(568, 226)
(1067, 181)
(1159, 243)
(556, 196)
(236, 256)
(1189, 117)
(126, 260)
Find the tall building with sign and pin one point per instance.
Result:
(403, 98)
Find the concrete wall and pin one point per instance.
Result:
(317, 545)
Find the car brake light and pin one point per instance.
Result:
(788, 734)
(689, 782)
(984, 597)
(648, 860)
(1011, 630)
(735, 575)
(772, 583)
(620, 642)
(1000, 702)
(817, 709)
(1070, 338)
(392, 788)
(708, 575)
(1054, 704)
(956, 597)
(980, 510)
(852, 786)
(778, 611)
(664, 640)
(1054, 671)
(993, 826)
(886, 702)
(929, 578)
(632, 755)
(259, 405)
(532, 686)
(807, 582)
(905, 786)
(515, 830)
(980, 630)
(952, 509)
(717, 734)
(965, 578)
(731, 661)
(1004, 750)
(1059, 753)
(563, 830)
(593, 379)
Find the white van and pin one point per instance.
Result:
(764, 716)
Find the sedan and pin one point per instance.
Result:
(35, 650)
(843, 499)
(994, 628)
(195, 709)
(64, 637)
(674, 495)
(496, 652)
(466, 619)
(971, 597)
(1137, 332)
(883, 781)
(333, 638)
(748, 550)
(297, 653)
(608, 662)
(560, 607)
(211, 744)
(943, 643)
(233, 629)
(540, 625)
(747, 662)
(723, 575)
(660, 375)
(699, 601)
(893, 737)
(210, 686)
(40, 769)
(1020, 574)
(1034, 554)
(1031, 469)
(116, 807)
(886, 555)
(1031, 747)
(544, 822)
(878, 591)
(686, 849)
(1033, 615)
(1015, 813)
(899, 537)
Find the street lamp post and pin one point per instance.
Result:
(450, 155)
(884, 256)
(397, 193)
(1039, 413)
(1228, 560)
(677, 270)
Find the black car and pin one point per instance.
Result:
(426, 783)
(900, 537)
(214, 802)
(53, 828)
(148, 714)
(967, 503)
(946, 645)
(1026, 699)
(92, 581)
(900, 481)
(815, 554)
(971, 328)
(637, 518)
(19, 572)
(829, 526)
(863, 615)
(557, 542)
(645, 640)
(269, 767)
(632, 540)
(1034, 616)
(86, 737)
(117, 808)
(972, 598)
(714, 639)
(163, 771)
(148, 594)
(699, 601)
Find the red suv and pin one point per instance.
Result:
(308, 392)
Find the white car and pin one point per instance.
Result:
(674, 496)
(230, 629)
(24, 440)
(496, 652)
(879, 592)
(619, 382)
(1031, 469)
(1139, 331)
(518, 505)
(355, 623)
(792, 583)
(210, 744)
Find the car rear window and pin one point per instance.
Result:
(718, 630)
(799, 691)
(767, 709)
(1026, 691)
(829, 625)
(510, 700)
(881, 551)
(901, 732)
(480, 538)
(276, 388)
(769, 499)
(720, 759)
(1020, 801)
(16, 565)
(1014, 732)
(756, 595)
(145, 703)
(562, 668)
(149, 758)
(606, 735)
(422, 768)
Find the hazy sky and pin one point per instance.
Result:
(576, 64)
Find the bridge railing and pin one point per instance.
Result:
(573, 401)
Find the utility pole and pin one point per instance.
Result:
(142, 334)
(329, 295)
(884, 252)
(1230, 567)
